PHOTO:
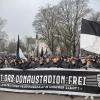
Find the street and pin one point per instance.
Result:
(22, 96)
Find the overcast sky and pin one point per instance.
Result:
(20, 14)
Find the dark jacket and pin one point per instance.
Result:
(1, 65)
(65, 65)
(6, 66)
(47, 65)
(97, 65)
(55, 65)
(19, 66)
(12, 65)
(32, 65)
(26, 65)
(41, 65)
(74, 66)
(82, 65)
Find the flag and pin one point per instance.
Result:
(21, 55)
(42, 52)
(90, 36)
(90, 27)
(17, 51)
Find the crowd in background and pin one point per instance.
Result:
(50, 61)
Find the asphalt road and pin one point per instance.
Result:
(22, 96)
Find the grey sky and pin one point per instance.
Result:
(20, 14)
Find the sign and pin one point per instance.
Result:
(51, 80)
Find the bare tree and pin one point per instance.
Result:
(29, 44)
(60, 24)
(3, 35)
(45, 24)
(70, 15)
(12, 46)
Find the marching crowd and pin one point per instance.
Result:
(50, 61)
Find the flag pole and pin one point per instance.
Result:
(17, 51)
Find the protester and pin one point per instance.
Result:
(82, 62)
(6, 64)
(32, 63)
(50, 61)
(65, 63)
(47, 63)
(55, 62)
(41, 63)
(73, 64)
(89, 63)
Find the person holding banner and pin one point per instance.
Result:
(82, 62)
(6, 64)
(89, 64)
(65, 63)
(74, 64)
(47, 63)
(55, 63)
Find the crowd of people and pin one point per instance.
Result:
(50, 61)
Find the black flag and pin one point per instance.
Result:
(90, 36)
(90, 27)
(17, 51)
(42, 52)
